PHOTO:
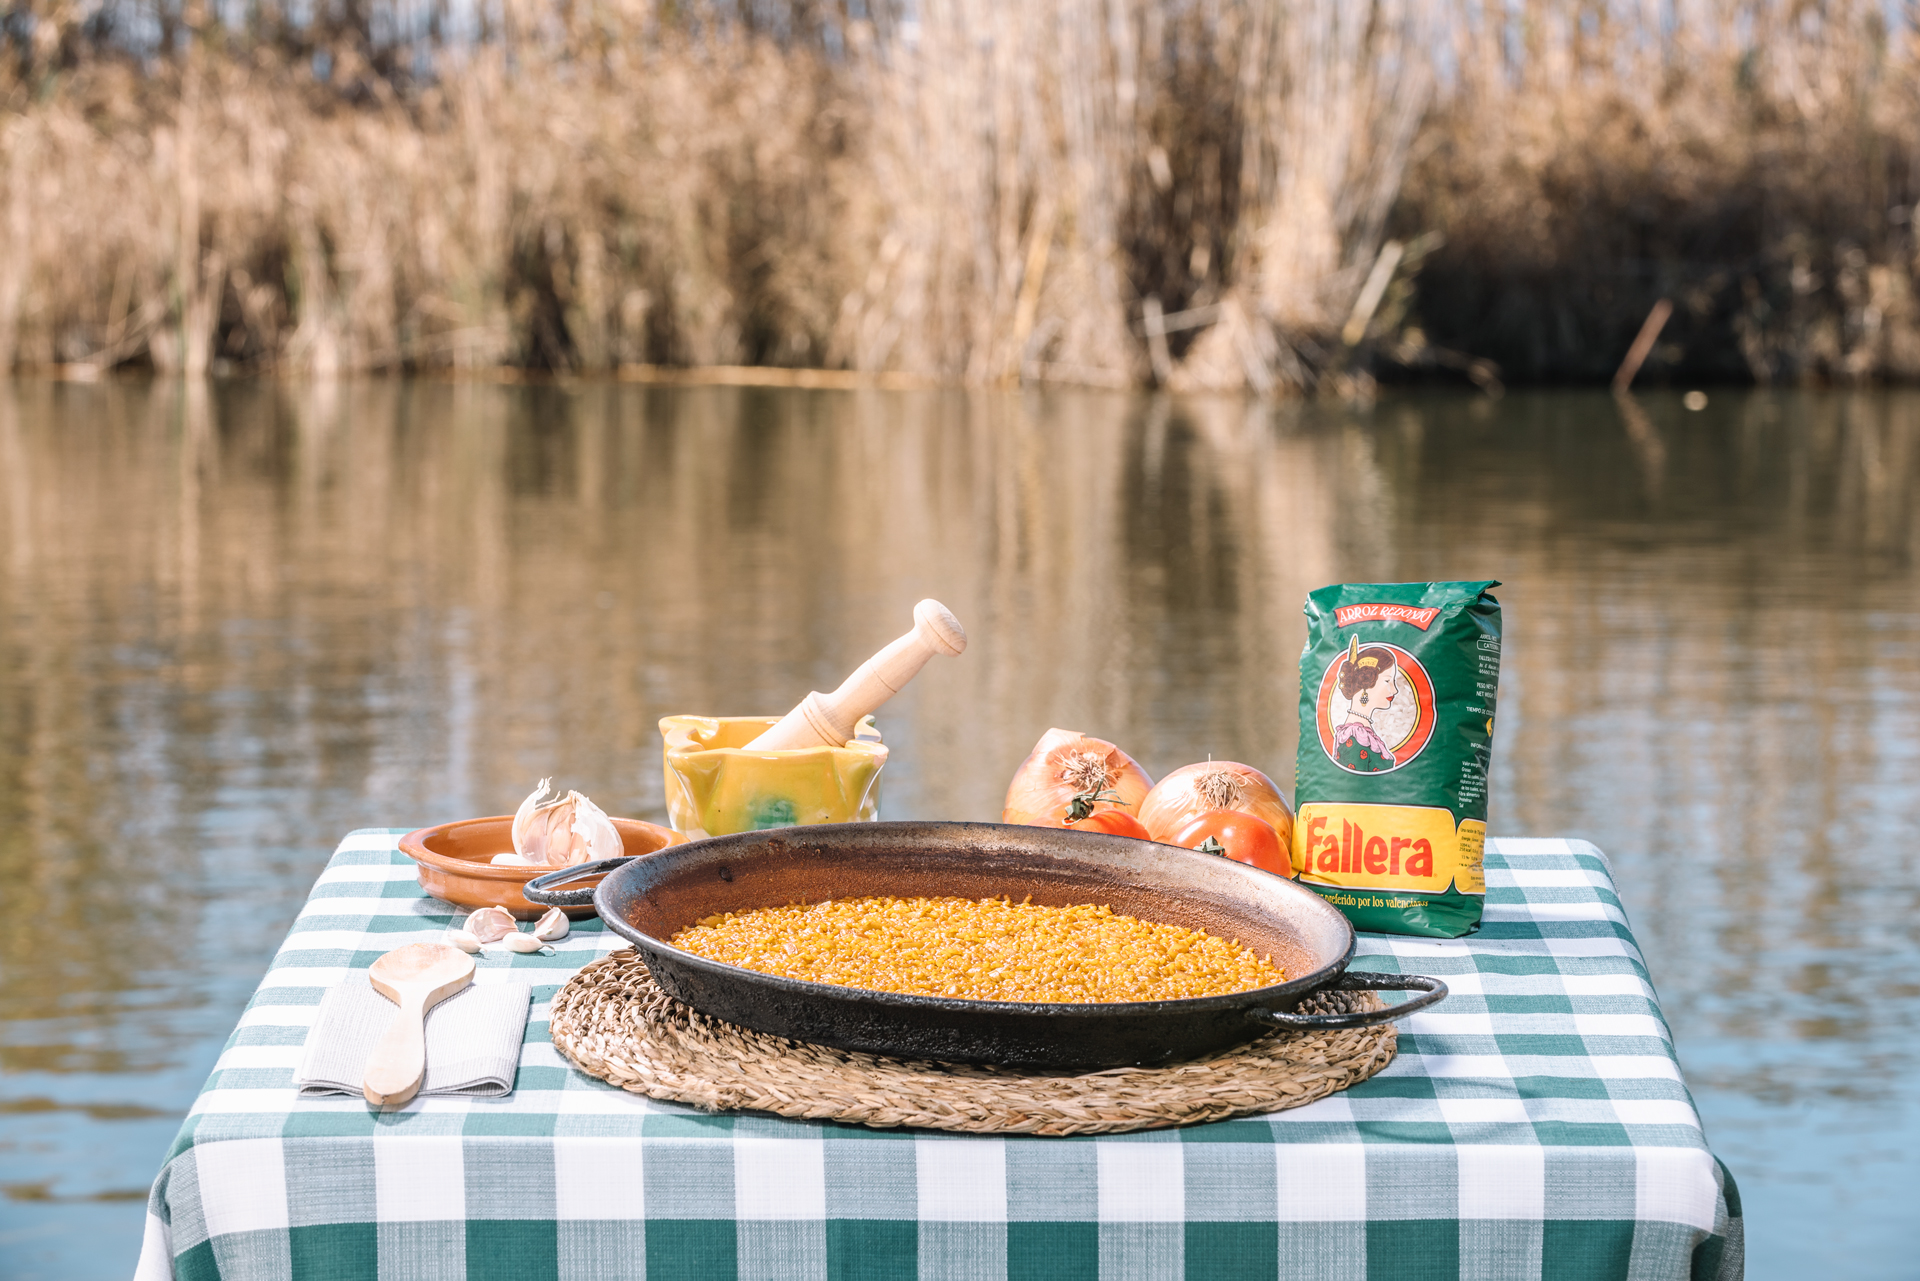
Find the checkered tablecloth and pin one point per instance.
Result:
(1534, 1125)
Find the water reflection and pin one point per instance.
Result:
(237, 620)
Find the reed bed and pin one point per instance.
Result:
(1207, 194)
(1758, 164)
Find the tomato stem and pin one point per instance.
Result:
(1211, 845)
(1082, 804)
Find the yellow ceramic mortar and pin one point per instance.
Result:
(715, 785)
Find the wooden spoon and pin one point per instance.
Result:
(416, 977)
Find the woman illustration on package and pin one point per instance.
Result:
(1367, 681)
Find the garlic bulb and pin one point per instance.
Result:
(490, 924)
(562, 832)
(552, 927)
(518, 942)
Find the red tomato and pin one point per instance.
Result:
(1082, 814)
(1247, 839)
(1118, 822)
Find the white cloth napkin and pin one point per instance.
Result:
(473, 1039)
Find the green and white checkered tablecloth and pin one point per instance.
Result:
(1534, 1125)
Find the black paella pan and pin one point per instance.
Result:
(650, 898)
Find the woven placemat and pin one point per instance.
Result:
(614, 1023)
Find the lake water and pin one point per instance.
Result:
(238, 620)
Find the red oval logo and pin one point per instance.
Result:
(1375, 711)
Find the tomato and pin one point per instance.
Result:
(1118, 822)
(1082, 814)
(1247, 839)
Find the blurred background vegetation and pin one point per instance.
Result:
(1198, 194)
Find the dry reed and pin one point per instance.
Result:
(1197, 194)
(1756, 162)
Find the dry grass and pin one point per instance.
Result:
(987, 196)
(991, 193)
(1755, 161)
(683, 203)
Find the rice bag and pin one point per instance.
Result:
(1397, 688)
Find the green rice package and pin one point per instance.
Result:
(1397, 687)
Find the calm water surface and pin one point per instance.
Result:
(238, 620)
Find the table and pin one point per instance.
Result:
(1535, 1124)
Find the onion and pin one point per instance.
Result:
(1064, 764)
(1193, 790)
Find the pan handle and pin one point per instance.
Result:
(1430, 990)
(541, 888)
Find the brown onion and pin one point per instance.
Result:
(1064, 764)
(1193, 790)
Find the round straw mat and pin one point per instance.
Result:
(614, 1023)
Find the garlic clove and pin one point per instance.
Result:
(490, 924)
(463, 940)
(594, 836)
(552, 927)
(533, 823)
(513, 860)
(518, 942)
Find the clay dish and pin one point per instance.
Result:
(453, 860)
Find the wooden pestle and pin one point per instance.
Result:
(828, 720)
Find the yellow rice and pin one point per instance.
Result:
(992, 950)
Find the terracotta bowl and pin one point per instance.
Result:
(453, 861)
